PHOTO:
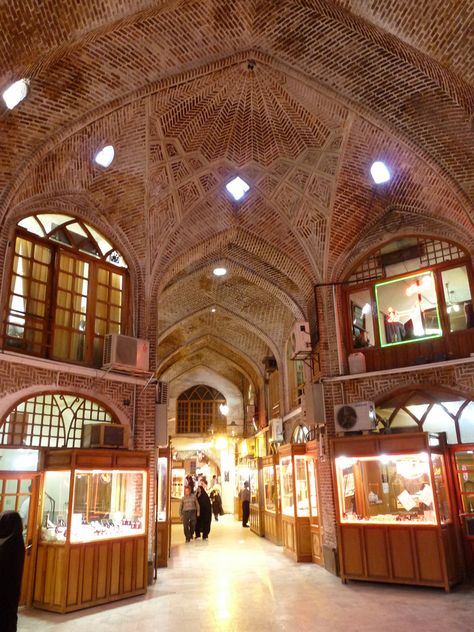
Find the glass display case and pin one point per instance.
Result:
(162, 489)
(178, 477)
(296, 533)
(271, 498)
(392, 488)
(313, 453)
(93, 538)
(269, 488)
(394, 509)
(162, 518)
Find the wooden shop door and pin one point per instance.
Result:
(463, 474)
(19, 492)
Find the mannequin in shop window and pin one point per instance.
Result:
(394, 329)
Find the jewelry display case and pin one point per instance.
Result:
(295, 513)
(271, 498)
(256, 500)
(94, 525)
(394, 510)
(313, 452)
(178, 475)
(162, 518)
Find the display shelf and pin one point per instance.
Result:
(271, 498)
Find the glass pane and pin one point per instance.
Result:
(162, 486)
(313, 494)
(50, 221)
(253, 479)
(270, 488)
(108, 504)
(385, 489)
(361, 319)
(465, 472)
(466, 424)
(407, 309)
(31, 225)
(438, 420)
(286, 473)
(301, 484)
(55, 506)
(457, 295)
(441, 487)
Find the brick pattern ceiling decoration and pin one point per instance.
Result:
(297, 97)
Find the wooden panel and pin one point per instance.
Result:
(429, 555)
(288, 535)
(396, 444)
(140, 564)
(74, 571)
(127, 565)
(57, 459)
(355, 447)
(87, 573)
(161, 544)
(352, 551)
(316, 545)
(38, 593)
(102, 569)
(401, 553)
(304, 550)
(115, 569)
(376, 553)
(138, 461)
(96, 460)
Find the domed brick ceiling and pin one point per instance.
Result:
(296, 97)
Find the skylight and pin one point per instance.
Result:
(379, 172)
(237, 188)
(105, 156)
(219, 271)
(15, 93)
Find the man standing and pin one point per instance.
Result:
(244, 496)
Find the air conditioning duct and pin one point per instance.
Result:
(354, 417)
(125, 353)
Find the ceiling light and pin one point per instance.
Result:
(237, 188)
(15, 93)
(213, 309)
(224, 409)
(379, 172)
(105, 156)
(219, 271)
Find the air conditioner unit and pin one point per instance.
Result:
(300, 340)
(161, 393)
(355, 416)
(125, 352)
(276, 430)
(270, 364)
(103, 435)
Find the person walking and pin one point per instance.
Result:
(189, 512)
(244, 496)
(216, 499)
(12, 555)
(204, 522)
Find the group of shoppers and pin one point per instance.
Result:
(197, 506)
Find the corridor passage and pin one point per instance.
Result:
(238, 582)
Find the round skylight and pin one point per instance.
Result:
(15, 93)
(219, 271)
(379, 172)
(105, 156)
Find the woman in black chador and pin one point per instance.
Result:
(203, 524)
(12, 554)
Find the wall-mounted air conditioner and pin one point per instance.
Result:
(125, 352)
(161, 396)
(276, 430)
(354, 416)
(103, 435)
(300, 340)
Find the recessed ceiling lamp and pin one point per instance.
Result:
(237, 188)
(213, 310)
(105, 156)
(379, 172)
(219, 272)
(15, 93)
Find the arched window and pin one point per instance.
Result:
(409, 290)
(198, 411)
(300, 434)
(51, 420)
(68, 288)
(429, 411)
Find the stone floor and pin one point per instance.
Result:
(237, 581)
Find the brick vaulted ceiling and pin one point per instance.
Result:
(298, 97)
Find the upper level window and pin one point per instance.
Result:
(68, 288)
(409, 290)
(199, 411)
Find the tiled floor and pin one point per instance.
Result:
(237, 581)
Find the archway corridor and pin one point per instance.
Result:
(237, 581)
